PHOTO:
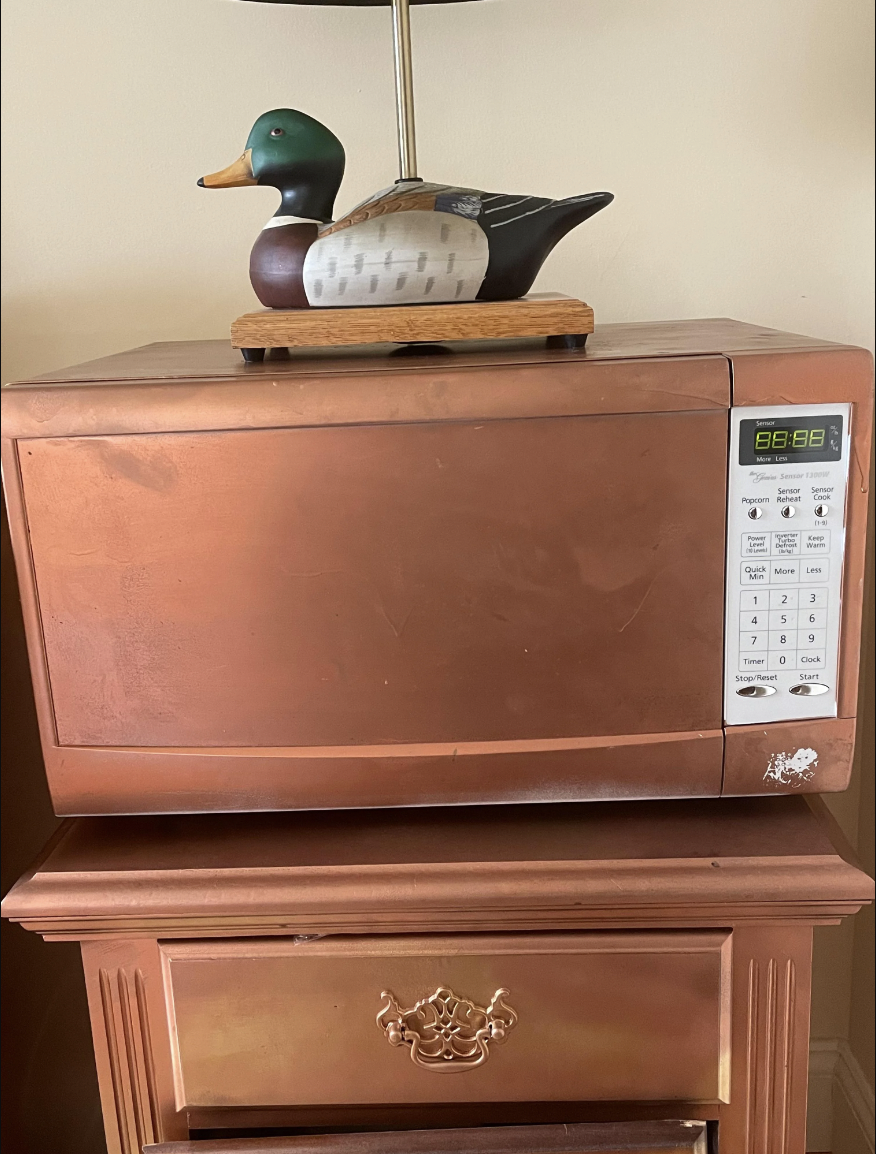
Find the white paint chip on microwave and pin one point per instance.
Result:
(792, 768)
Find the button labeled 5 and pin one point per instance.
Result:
(783, 619)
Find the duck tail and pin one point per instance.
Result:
(522, 230)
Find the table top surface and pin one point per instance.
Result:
(217, 360)
(699, 862)
(583, 832)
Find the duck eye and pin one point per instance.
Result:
(277, 132)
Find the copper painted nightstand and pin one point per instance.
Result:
(425, 969)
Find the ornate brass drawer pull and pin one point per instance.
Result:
(447, 1033)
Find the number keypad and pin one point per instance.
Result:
(774, 627)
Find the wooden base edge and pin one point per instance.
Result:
(538, 315)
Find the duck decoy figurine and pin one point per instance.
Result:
(413, 243)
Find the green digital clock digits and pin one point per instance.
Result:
(795, 440)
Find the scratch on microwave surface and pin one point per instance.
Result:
(792, 768)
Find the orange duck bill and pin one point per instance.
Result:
(236, 175)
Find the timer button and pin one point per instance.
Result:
(822, 510)
(755, 512)
(756, 690)
(788, 511)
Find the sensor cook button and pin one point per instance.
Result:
(809, 689)
(756, 690)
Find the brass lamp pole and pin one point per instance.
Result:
(404, 81)
(404, 90)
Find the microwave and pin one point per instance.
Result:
(500, 574)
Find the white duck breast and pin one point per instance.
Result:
(398, 258)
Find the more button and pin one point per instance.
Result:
(785, 572)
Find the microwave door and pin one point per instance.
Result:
(429, 613)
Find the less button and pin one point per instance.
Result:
(815, 570)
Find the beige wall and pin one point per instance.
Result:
(737, 138)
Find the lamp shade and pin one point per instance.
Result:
(357, 3)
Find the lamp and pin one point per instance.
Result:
(415, 263)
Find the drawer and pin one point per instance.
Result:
(581, 1138)
(470, 1018)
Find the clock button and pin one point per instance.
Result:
(755, 513)
(822, 510)
(788, 511)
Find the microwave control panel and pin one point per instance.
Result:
(786, 504)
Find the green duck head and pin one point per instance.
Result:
(294, 153)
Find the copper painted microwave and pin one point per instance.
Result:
(504, 574)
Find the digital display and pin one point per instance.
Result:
(777, 441)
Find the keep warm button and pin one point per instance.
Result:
(814, 570)
(816, 541)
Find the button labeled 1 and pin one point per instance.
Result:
(752, 599)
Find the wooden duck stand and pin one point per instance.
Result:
(564, 321)
(414, 264)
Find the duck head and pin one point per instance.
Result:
(294, 153)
